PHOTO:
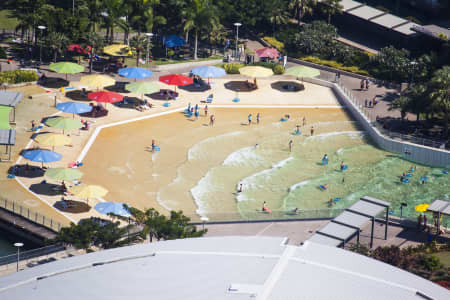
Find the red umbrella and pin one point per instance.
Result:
(107, 97)
(78, 49)
(268, 52)
(176, 80)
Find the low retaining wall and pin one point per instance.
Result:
(413, 152)
(189, 64)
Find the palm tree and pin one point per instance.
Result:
(279, 16)
(143, 16)
(440, 93)
(113, 14)
(301, 8)
(402, 104)
(332, 7)
(57, 42)
(95, 41)
(138, 42)
(200, 15)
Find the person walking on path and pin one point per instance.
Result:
(290, 145)
(365, 102)
(249, 119)
(196, 114)
(367, 84)
(206, 110)
(211, 120)
(312, 130)
(258, 118)
(362, 85)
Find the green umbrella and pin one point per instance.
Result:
(66, 68)
(142, 88)
(302, 71)
(64, 173)
(64, 123)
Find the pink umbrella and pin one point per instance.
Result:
(268, 52)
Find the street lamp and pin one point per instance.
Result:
(149, 37)
(204, 220)
(42, 28)
(18, 245)
(237, 38)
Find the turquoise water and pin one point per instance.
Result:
(287, 180)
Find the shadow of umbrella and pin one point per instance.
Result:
(48, 189)
(195, 88)
(72, 206)
(78, 95)
(239, 86)
(131, 102)
(26, 171)
(119, 87)
(53, 82)
(287, 86)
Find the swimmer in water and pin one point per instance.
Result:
(153, 145)
(298, 129)
(342, 165)
(264, 208)
(331, 202)
(240, 188)
(325, 157)
(290, 145)
(258, 118)
(312, 130)
(249, 119)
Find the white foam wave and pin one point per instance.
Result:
(160, 202)
(200, 193)
(297, 185)
(340, 151)
(250, 182)
(243, 156)
(335, 133)
(194, 151)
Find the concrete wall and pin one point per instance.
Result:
(418, 153)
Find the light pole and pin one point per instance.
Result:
(149, 37)
(204, 220)
(237, 38)
(18, 245)
(42, 28)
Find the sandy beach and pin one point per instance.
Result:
(313, 96)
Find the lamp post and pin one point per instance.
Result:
(204, 220)
(149, 37)
(237, 38)
(18, 245)
(42, 28)
(403, 204)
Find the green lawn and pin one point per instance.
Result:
(444, 257)
(130, 61)
(6, 22)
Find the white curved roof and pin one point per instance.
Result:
(218, 268)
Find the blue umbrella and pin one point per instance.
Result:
(116, 208)
(43, 156)
(73, 107)
(173, 41)
(136, 73)
(208, 71)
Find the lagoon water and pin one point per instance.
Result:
(199, 169)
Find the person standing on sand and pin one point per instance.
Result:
(249, 119)
(196, 114)
(258, 117)
(312, 130)
(304, 121)
(290, 145)
(153, 145)
(33, 125)
(206, 110)
(211, 120)
(240, 188)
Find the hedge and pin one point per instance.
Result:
(18, 76)
(335, 64)
(277, 69)
(232, 68)
(3, 53)
(274, 43)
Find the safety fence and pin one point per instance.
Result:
(29, 214)
(29, 254)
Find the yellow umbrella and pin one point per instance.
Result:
(117, 50)
(421, 207)
(53, 139)
(256, 71)
(88, 191)
(97, 81)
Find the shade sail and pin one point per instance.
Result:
(66, 68)
(208, 71)
(97, 81)
(267, 52)
(256, 71)
(73, 107)
(53, 139)
(64, 173)
(89, 191)
(302, 71)
(4, 117)
(106, 97)
(64, 123)
(142, 87)
(116, 208)
(173, 41)
(117, 50)
(42, 156)
(176, 79)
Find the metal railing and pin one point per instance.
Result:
(29, 254)
(260, 216)
(372, 118)
(29, 214)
